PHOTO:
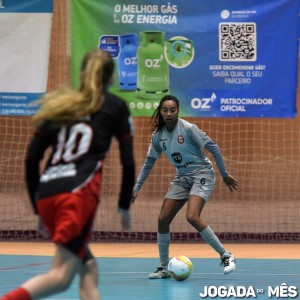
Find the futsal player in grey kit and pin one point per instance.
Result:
(183, 144)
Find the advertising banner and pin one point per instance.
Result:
(228, 58)
(25, 28)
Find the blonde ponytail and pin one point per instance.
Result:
(66, 105)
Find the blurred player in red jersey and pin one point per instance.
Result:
(78, 126)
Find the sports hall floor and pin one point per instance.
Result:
(262, 270)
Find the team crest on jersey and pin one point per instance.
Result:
(180, 139)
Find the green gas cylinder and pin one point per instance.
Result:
(152, 67)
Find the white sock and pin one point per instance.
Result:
(163, 240)
(210, 237)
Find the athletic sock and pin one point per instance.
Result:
(163, 240)
(17, 294)
(210, 237)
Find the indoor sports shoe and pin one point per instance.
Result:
(229, 263)
(160, 273)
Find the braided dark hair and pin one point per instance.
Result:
(156, 120)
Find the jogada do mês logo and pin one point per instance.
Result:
(280, 291)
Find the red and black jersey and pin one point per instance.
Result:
(77, 151)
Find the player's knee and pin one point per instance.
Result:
(64, 283)
(62, 280)
(91, 268)
(192, 219)
(163, 221)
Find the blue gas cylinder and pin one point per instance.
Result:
(127, 62)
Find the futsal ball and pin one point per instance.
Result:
(180, 267)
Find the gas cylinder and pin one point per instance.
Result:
(127, 62)
(152, 67)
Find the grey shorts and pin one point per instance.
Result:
(201, 185)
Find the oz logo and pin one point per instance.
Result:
(203, 103)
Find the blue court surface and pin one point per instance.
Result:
(127, 278)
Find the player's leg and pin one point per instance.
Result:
(194, 209)
(89, 279)
(168, 212)
(64, 267)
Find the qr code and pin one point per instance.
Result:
(237, 42)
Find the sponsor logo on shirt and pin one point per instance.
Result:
(177, 158)
(59, 171)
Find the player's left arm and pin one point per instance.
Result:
(128, 176)
(128, 170)
(35, 153)
(215, 150)
(125, 136)
(204, 141)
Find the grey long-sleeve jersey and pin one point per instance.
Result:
(184, 149)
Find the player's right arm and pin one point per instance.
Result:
(153, 154)
(143, 175)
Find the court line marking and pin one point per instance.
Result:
(24, 266)
(237, 273)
